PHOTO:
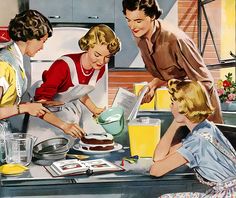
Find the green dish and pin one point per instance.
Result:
(112, 120)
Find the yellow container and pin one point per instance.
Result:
(163, 99)
(145, 106)
(144, 134)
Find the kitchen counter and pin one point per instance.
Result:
(135, 181)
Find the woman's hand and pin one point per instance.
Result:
(97, 111)
(73, 129)
(148, 95)
(153, 85)
(34, 109)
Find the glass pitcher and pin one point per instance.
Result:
(19, 148)
(5, 129)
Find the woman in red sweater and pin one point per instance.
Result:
(73, 76)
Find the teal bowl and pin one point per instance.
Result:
(112, 120)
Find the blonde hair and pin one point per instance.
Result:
(100, 34)
(192, 98)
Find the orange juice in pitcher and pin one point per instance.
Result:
(144, 134)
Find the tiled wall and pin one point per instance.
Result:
(124, 79)
(188, 22)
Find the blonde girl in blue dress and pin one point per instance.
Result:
(205, 149)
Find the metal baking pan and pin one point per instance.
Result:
(51, 156)
(52, 146)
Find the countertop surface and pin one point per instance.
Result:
(135, 181)
(139, 170)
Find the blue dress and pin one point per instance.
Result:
(211, 166)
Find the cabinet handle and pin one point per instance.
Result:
(93, 17)
(54, 17)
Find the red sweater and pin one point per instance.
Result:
(57, 78)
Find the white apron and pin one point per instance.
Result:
(71, 110)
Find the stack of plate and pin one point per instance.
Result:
(51, 149)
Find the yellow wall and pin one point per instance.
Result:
(228, 35)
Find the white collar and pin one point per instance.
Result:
(19, 56)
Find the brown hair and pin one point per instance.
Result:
(100, 34)
(29, 25)
(150, 7)
(192, 97)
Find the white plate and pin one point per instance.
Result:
(79, 148)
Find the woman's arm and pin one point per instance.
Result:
(55, 79)
(153, 85)
(86, 100)
(34, 109)
(164, 146)
(169, 163)
(6, 112)
(51, 103)
(189, 58)
(72, 129)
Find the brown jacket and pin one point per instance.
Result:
(174, 55)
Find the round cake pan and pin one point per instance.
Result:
(50, 156)
(52, 146)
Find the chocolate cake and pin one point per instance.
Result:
(97, 142)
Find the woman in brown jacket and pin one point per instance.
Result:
(167, 51)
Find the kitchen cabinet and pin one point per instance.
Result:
(76, 11)
(81, 12)
(89, 12)
(57, 11)
(93, 11)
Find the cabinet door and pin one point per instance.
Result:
(93, 11)
(55, 10)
